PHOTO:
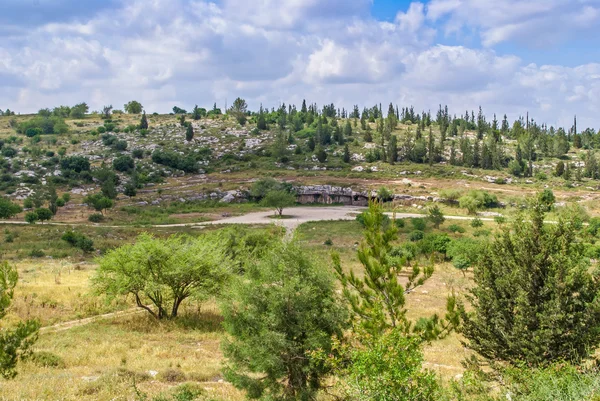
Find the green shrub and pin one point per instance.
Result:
(78, 240)
(455, 228)
(399, 223)
(416, 235)
(361, 219)
(482, 233)
(47, 360)
(36, 253)
(419, 223)
(328, 242)
(476, 222)
(96, 218)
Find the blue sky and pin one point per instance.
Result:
(509, 56)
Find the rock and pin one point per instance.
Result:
(152, 373)
(227, 198)
(360, 169)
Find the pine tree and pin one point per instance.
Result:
(430, 148)
(378, 300)
(144, 121)
(535, 300)
(393, 149)
(347, 129)
(346, 156)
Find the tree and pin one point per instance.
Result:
(52, 199)
(163, 272)
(198, 112)
(387, 367)
(277, 316)
(15, 343)
(278, 200)
(79, 110)
(44, 214)
(535, 299)
(378, 300)
(238, 110)
(133, 107)
(144, 121)
(99, 202)
(435, 215)
(123, 163)
(8, 209)
(189, 132)
(346, 155)
(31, 217)
(106, 112)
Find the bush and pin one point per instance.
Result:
(482, 233)
(96, 218)
(78, 240)
(36, 253)
(328, 242)
(476, 222)
(172, 376)
(361, 219)
(419, 223)
(399, 223)
(46, 359)
(455, 228)
(123, 163)
(416, 235)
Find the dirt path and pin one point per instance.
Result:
(293, 217)
(81, 322)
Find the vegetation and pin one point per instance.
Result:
(280, 312)
(15, 343)
(163, 273)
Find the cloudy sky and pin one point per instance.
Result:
(509, 56)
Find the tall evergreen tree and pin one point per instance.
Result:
(535, 299)
(144, 121)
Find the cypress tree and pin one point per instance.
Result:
(144, 121)
(189, 133)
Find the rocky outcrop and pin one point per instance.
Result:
(328, 194)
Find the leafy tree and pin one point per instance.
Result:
(178, 110)
(277, 316)
(535, 299)
(79, 110)
(8, 209)
(130, 189)
(99, 202)
(144, 122)
(378, 300)
(31, 217)
(278, 200)
(163, 272)
(189, 132)
(15, 343)
(133, 107)
(44, 214)
(435, 215)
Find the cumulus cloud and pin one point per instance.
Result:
(186, 52)
(534, 22)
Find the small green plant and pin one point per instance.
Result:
(455, 228)
(328, 242)
(416, 235)
(47, 360)
(96, 217)
(419, 223)
(36, 253)
(78, 240)
(476, 222)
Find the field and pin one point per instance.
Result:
(104, 358)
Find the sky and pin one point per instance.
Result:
(507, 56)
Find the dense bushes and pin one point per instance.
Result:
(78, 240)
(43, 125)
(187, 163)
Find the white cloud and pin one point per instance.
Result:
(533, 22)
(164, 52)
